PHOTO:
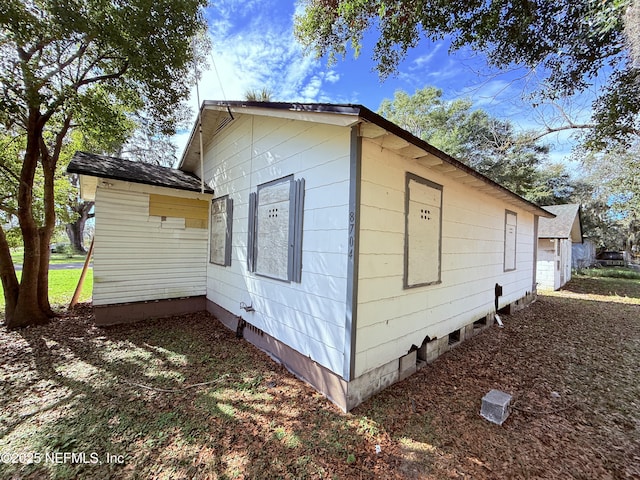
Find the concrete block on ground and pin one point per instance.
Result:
(467, 332)
(496, 406)
(429, 351)
(408, 364)
(443, 345)
(491, 319)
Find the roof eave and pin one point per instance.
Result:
(391, 127)
(361, 112)
(73, 169)
(247, 107)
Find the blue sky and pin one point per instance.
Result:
(254, 47)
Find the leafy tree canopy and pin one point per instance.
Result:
(571, 41)
(53, 50)
(88, 66)
(487, 144)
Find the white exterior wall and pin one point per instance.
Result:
(392, 319)
(565, 261)
(308, 316)
(547, 274)
(138, 257)
(553, 270)
(583, 255)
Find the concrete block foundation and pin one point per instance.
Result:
(408, 365)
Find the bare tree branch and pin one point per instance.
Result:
(570, 126)
(10, 173)
(62, 65)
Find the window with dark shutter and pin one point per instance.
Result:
(274, 246)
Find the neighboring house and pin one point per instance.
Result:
(583, 255)
(556, 237)
(350, 250)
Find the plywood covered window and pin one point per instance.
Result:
(275, 229)
(510, 237)
(221, 226)
(423, 232)
(177, 212)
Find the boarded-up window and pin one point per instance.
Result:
(177, 212)
(221, 224)
(275, 229)
(423, 231)
(510, 236)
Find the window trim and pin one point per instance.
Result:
(405, 277)
(515, 242)
(228, 230)
(295, 229)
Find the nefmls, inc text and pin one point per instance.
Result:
(90, 458)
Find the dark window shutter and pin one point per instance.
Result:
(251, 241)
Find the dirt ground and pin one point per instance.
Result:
(573, 368)
(183, 398)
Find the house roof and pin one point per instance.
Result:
(566, 224)
(137, 172)
(215, 115)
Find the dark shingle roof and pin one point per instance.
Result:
(137, 172)
(564, 223)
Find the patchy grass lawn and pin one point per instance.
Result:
(183, 398)
(612, 272)
(620, 285)
(62, 284)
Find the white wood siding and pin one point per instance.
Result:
(547, 274)
(138, 257)
(554, 264)
(565, 261)
(308, 316)
(390, 318)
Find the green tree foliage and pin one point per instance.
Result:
(553, 185)
(69, 64)
(569, 42)
(606, 220)
(617, 176)
(487, 144)
(263, 95)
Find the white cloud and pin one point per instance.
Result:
(332, 76)
(488, 93)
(424, 60)
(254, 48)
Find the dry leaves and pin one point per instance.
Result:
(571, 364)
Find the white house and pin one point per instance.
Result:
(555, 239)
(349, 249)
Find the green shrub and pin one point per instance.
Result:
(62, 248)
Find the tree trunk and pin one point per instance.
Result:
(27, 309)
(75, 230)
(45, 232)
(44, 238)
(8, 276)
